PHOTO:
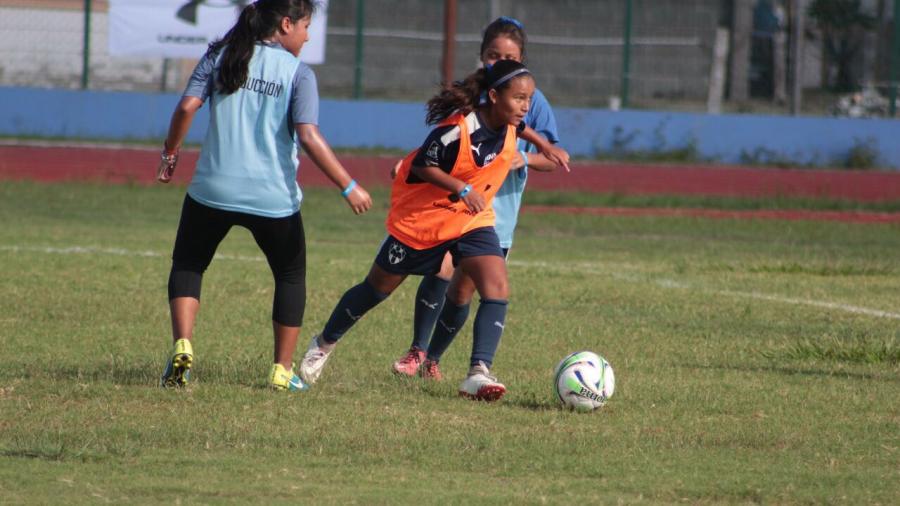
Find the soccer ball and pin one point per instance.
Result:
(583, 381)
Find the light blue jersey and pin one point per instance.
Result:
(509, 198)
(249, 159)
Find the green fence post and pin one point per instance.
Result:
(358, 67)
(626, 55)
(86, 46)
(895, 59)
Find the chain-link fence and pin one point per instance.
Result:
(773, 56)
(575, 47)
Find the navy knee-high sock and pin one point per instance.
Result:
(352, 306)
(489, 322)
(451, 319)
(429, 301)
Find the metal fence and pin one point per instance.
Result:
(771, 56)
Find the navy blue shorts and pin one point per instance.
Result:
(398, 258)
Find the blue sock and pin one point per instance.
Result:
(489, 321)
(352, 306)
(429, 300)
(452, 319)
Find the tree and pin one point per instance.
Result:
(740, 52)
(843, 24)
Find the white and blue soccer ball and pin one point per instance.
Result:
(584, 381)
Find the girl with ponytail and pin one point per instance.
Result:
(446, 295)
(441, 203)
(263, 102)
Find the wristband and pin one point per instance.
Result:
(465, 191)
(346, 191)
(525, 158)
(167, 163)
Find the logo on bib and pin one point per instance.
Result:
(434, 151)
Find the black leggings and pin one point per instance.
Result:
(202, 228)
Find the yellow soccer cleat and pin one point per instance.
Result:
(178, 368)
(285, 380)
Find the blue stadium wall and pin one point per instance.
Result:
(726, 138)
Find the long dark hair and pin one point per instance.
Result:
(259, 20)
(507, 27)
(464, 96)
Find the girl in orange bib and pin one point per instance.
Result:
(441, 202)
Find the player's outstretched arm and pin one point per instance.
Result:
(556, 154)
(538, 162)
(318, 150)
(178, 129)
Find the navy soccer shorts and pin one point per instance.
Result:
(398, 258)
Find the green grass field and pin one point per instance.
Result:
(756, 362)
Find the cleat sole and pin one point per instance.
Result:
(181, 366)
(488, 393)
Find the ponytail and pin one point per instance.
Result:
(239, 43)
(464, 96)
(461, 96)
(258, 21)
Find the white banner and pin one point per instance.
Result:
(184, 29)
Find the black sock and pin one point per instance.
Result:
(451, 319)
(352, 306)
(489, 321)
(429, 301)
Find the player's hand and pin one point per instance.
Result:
(474, 201)
(557, 155)
(518, 162)
(167, 163)
(472, 198)
(359, 200)
(395, 169)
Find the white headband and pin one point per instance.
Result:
(509, 76)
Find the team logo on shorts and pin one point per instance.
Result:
(396, 254)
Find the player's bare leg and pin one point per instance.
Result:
(285, 343)
(178, 368)
(184, 312)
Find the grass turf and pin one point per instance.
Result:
(756, 361)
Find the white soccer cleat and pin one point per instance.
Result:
(314, 361)
(479, 385)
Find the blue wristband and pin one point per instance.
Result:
(524, 157)
(346, 191)
(465, 191)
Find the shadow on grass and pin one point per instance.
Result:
(146, 372)
(534, 404)
(58, 448)
(143, 373)
(50, 455)
(795, 371)
(512, 399)
(58, 453)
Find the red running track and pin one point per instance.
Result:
(757, 214)
(136, 165)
